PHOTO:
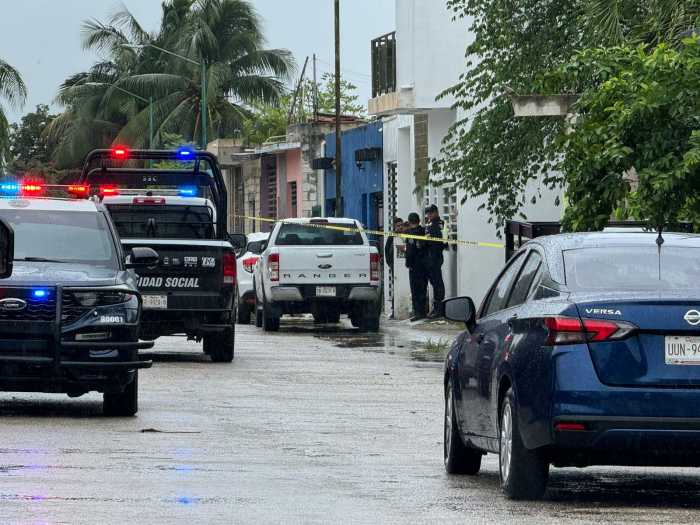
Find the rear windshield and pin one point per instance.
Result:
(63, 237)
(632, 268)
(318, 235)
(162, 221)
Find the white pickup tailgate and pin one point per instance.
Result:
(324, 264)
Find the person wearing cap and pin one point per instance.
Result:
(415, 262)
(434, 260)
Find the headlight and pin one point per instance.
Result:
(106, 298)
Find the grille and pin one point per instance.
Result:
(37, 310)
(72, 310)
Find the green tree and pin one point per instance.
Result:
(29, 144)
(490, 153)
(226, 35)
(636, 140)
(13, 92)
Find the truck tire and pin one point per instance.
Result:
(123, 404)
(220, 346)
(524, 473)
(370, 323)
(271, 322)
(258, 317)
(244, 314)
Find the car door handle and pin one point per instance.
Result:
(324, 255)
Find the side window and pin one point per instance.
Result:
(525, 279)
(499, 293)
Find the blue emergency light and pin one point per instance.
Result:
(40, 293)
(185, 154)
(9, 188)
(188, 191)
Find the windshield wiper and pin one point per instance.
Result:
(40, 259)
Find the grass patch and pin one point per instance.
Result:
(439, 346)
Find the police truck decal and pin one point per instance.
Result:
(168, 282)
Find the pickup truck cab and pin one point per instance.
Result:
(325, 267)
(175, 204)
(70, 310)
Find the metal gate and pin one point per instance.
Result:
(392, 210)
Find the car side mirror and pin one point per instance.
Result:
(7, 249)
(239, 241)
(461, 310)
(263, 246)
(142, 257)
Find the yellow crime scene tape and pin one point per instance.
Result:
(457, 242)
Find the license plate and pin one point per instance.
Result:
(155, 302)
(682, 350)
(325, 291)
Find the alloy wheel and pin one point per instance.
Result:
(506, 445)
(448, 423)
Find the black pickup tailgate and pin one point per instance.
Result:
(190, 275)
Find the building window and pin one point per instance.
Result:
(293, 210)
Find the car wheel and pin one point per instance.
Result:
(258, 317)
(459, 458)
(220, 347)
(123, 404)
(271, 323)
(354, 320)
(244, 313)
(524, 473)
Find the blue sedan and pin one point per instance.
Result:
(586, 351)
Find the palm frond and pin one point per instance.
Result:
(12, 87)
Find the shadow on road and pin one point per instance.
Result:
(62, 407)
(176, 357)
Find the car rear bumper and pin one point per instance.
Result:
(609, 440)
(344, 292)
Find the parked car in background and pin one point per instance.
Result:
(325, 267)
(584, 352)
(244, 275)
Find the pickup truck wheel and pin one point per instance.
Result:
(271, 323)
(355, 321)
(123, 404)
(369, 324)
(244, 313)
(220, 347)
(258, 317)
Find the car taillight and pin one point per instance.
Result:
(249, 264)
(106, 191)
(373, 266)
(229, 268)
(273, 265)
(571, 330)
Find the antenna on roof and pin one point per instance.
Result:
(659, 243)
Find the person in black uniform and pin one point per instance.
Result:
(415, 262)
(434, 260)
(389, 246)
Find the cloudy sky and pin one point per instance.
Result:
(41, 38)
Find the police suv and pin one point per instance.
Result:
(174, 202)
(70, 311)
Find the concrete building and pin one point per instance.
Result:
(363, 176)
(411, 68)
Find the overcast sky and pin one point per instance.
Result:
(41, 38)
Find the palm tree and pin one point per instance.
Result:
(224, 34)
(614, 22)
(14, 92)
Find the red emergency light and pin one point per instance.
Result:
(120, 152)
(32, 188)
(149, 200)
(79, 190)
(108, 191)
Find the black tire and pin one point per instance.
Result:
(459, 458)
(333, 317)
(354, 320)
(524, 473)
(369, 322)
(271, 323)
(258, 317)
(220, 346)
(123, 404)
(244, 313)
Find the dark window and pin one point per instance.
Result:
(323, 234)
(524, 282)
(256, 247)
(163, 221)
(632, 268)
(499, 293)
(62, 236)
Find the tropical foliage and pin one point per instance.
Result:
(14, 93)
(30, 148)
(221, 39)
(490, 154)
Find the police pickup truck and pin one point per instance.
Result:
(176, 203)
(70, 309)
(326, 267)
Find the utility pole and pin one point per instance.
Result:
(338, 147)
(315, 94)
(205, 109)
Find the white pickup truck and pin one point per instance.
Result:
(325, 267)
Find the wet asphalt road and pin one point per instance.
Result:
(304, 427)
